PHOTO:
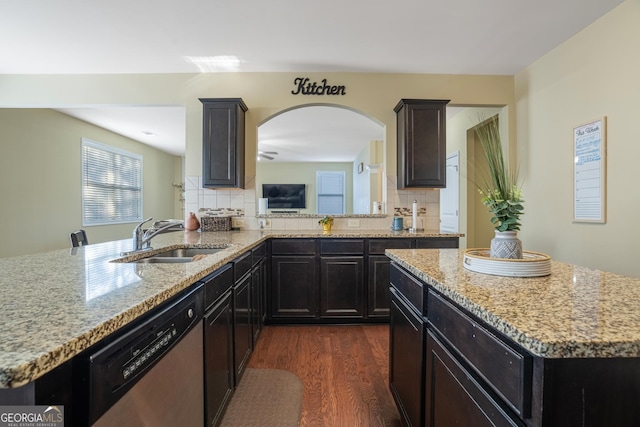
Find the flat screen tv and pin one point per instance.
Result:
(285, 196)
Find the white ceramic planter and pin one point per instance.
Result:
(506, 245)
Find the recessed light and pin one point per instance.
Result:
(148, 133)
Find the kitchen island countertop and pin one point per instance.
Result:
(59, 303)
(575, 312)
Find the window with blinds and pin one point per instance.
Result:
(330, 194)
(111, 185)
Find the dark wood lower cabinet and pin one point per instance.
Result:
(453, 397)
(406, 360)
(331, 280)
(218, 360)
(378, 283)
(242, 325)
(257, 295)
(294, 289)
(341, 287)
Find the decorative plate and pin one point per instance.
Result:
(532, 264)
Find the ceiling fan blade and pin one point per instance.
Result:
(264, 156)
(270, 152)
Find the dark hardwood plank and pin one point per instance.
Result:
(344, 370)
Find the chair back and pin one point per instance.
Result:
(79, 238)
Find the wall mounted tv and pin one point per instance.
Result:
(285, 196)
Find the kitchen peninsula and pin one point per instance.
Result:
(560, 350)
(58, 304)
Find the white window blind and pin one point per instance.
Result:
(111, 185)
(331, 189)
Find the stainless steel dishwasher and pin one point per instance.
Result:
(149, 375)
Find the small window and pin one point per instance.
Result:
(111, 185)
(330, 196)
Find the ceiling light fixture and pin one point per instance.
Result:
(211, 64)
(148, 133)
(264, 155)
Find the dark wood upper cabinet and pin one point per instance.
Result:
(223, 142)
(421, 143)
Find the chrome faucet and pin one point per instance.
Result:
(142, 239)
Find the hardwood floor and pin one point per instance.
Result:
(344, 371)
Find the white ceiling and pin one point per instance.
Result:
(161, 127)
(166, 36)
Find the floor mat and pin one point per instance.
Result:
(265, 398)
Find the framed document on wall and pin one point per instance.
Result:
(590, 171)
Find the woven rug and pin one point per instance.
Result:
(265, 398)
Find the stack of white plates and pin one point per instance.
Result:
(532, 264)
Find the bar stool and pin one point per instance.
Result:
(78, 238)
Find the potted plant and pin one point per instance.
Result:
(326, 222)
(501, 193)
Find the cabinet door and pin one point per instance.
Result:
(256, 302)
(378, 295)
(264, 285)
(242, 332)
(421, 144)
(406, 359)
(341, 287)
(218, 359)
(294, 287)
(223, 142)
(454, 397)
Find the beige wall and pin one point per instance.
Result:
(40, 180)
(266, 94)
(594, 74)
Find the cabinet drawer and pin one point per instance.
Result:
(342, 247)
(377, 246)
(242, 265)
(410, 287)
(437, 243)
(506, 370)
(216, 284)
(293, 247)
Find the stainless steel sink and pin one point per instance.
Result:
(155, 259)
(187, 252)
(178, 255)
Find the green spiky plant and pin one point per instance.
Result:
(499, 187)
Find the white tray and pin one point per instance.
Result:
(532, 264)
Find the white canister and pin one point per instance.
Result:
(376, 208)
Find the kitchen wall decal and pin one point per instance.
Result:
(589, 171)
(306, 87)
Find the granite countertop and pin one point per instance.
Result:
(358, 233)
(56, 304)
(575, 312)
